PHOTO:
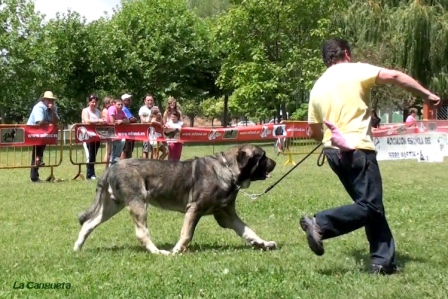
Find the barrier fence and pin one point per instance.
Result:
(20, 142)
(427, 141)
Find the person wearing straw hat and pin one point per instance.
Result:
(44, 113)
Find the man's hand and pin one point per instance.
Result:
(315, 131)
(434, 99)
(43, 123)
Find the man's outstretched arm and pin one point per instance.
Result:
(387, 76)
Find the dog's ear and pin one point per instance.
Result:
(242, 158)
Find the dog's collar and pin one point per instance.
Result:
(224, 160)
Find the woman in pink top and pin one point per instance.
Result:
(116, 116)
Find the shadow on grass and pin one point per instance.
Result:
(363, 260)
(363, 257)
(195, 247)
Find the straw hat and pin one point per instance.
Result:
(49, 95)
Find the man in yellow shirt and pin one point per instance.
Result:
(341, 99)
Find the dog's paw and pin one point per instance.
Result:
(77, 247)
(265, 245)
(270, 245)
(163, 252)
(179, 250)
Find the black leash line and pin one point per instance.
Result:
(320, 162)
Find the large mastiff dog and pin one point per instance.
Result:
(196, 187)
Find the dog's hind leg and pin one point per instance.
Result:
(191, 219)
(139, 215)
(228, 218)
(107, 209)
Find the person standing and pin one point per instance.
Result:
(44, 113)
(341, 99)
(129, 144)
(116, 116)
(145, 118)
(92, 116)
(107, 102)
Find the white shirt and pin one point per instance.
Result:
(145, 111)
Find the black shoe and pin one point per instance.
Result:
(314, 237)
(383, 270)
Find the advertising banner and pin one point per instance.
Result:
(154, 132)
(24, 135)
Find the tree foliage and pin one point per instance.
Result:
(408, 35)
(271, 52)
(258, 58)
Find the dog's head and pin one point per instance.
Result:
(253, 164)
(279, 131)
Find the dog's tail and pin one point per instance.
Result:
(101, 189)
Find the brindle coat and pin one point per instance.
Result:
(195, 187)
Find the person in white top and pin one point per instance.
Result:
(145, 118)
(174, 125)
(92, 116)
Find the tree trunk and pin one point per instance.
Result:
(226, 110)
(284, 113)
(191, 116)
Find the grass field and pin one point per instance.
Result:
(39, 227)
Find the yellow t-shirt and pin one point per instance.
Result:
(342, 96)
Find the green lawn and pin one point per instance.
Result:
(39, 227)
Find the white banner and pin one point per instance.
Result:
(424, 147)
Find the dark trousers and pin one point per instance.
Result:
(37, 152)
(93, 150)
(128, 148)
(359, 173)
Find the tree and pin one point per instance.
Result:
(213, 108)
(208, 8)
(410, 35)
(66, 60)
(20, 71)
(149, 50)
(273, 51)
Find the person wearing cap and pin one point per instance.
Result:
(44, 113)
(129, 144)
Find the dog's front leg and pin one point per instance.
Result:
(227, 218)
(139, 216)
(191, 219)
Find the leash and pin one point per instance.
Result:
(320, 162)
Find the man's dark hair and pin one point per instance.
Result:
(333, 51)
